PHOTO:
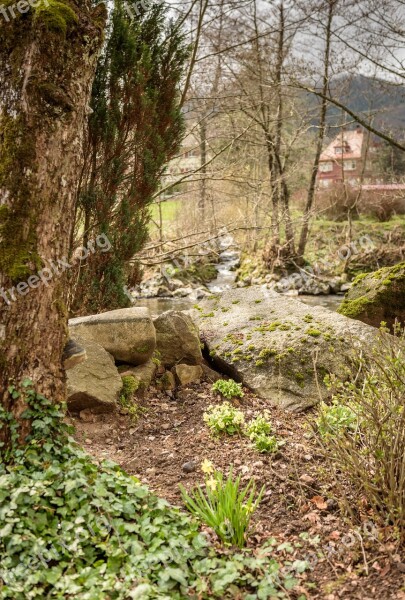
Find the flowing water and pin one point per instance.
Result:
(228, 261)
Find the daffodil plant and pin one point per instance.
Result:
(223, 505)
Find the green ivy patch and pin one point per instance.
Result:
(74, 529)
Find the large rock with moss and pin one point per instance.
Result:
(128, 334)
(271, 343)
(177, 339)
(377, 297)
(94, 383)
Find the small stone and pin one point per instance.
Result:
(331, 504)
(167, 381)
(150, 471)
(87, 441)
(186, 374)
(165, 426)
(189, 467)
(237, 462)
(308, 457)
(307, 478)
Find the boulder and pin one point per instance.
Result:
(177, 339)
(186, 374)
(271, 343)
(128, 334)
(94, 384)
(377, 297)
(143, 373)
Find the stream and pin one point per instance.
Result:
(228, 261)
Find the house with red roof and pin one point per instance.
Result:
(343, 161)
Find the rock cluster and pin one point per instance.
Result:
(128, 342)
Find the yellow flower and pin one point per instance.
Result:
(207, 466)
(211, 483)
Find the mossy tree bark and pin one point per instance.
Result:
(47, 64)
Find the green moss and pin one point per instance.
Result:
(259, 363)
(313, 332)
(266, 353)
(56, 16)
(308, 318)
(144, 349)
(129, 386)
(355, 307)
(359, 278)
(18, 237)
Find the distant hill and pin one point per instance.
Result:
(363, 95)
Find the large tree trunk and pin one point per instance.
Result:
(47, 64)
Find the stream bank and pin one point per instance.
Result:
(168, 290)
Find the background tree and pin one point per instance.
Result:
(135, 128)
(48, 58)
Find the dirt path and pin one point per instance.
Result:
(301, 495)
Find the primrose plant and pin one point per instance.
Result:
(228, 388)
(224, 418)
(259, 431)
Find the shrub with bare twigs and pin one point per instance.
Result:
(369, 453)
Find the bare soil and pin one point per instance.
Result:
(301, 495)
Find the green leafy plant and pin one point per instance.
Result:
(228, 388)
(265, 443)
(369, 416)
(127, 399)
(223, 504)
(258, 430)
(70, 528)
(335, 419)
(224, 418)
(260, 425)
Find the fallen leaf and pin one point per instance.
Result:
(319, 502)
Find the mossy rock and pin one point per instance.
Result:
(377, 297)
(279, 347)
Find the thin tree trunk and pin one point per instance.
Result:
(45, 84)
(284, 191)
(321, 134)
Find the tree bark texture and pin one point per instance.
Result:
(47, 64)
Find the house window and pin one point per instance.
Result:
(342, 149)
(326, 167)
(349, 165)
